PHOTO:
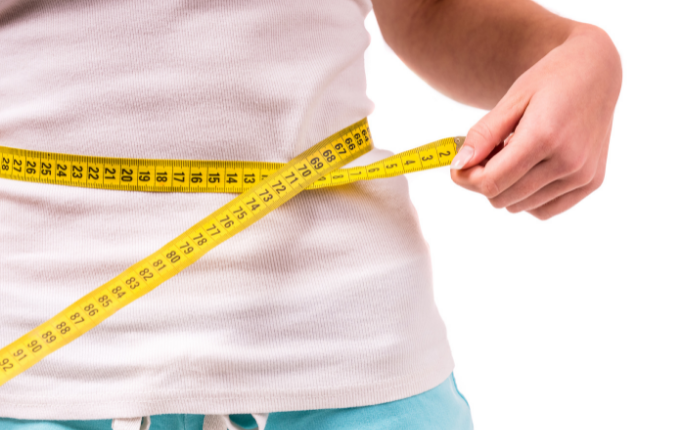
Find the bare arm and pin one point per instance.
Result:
(549, 80)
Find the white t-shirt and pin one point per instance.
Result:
(284, 316)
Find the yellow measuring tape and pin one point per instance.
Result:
(263, 188)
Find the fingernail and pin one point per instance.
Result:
(461, 159)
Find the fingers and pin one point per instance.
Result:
(492, 129)
(537, 178)
(554, 125)
(566, 201)
(561, 195)
(533, 173)
(545, 181)
(546, 194)
(525, 150)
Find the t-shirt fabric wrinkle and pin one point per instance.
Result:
(281, 317)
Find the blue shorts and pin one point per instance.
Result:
(441, 408)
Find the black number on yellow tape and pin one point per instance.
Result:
(210, 176)
(263, 188)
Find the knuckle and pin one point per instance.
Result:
(513, 209)
(480, 132)
(488, 187)
(597, 181)
(548, 138)
(461, 179)
(572, 163)
(497, 202)
(541, 214)
(585, 177)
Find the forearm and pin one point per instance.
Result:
(471, 50)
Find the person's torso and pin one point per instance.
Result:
(284, 315)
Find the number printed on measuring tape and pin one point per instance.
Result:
(212, 176)
(263, 187)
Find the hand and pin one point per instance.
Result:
(555, 123)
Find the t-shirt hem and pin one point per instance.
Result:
(219, 404)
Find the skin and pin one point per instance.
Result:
(551, 85)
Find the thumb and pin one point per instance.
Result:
(489, 131)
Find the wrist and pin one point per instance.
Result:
(601, 45)
(598, 54)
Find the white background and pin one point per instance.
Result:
(573, 323)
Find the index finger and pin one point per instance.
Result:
(523, 150)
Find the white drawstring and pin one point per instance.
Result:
(222, 422)
(139, 423)
(261, 420)
(211, 422)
